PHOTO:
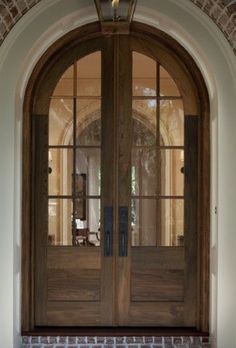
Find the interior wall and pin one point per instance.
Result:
(30, 37)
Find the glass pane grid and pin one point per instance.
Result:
(165, 114)
(74, 205)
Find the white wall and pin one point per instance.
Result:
(39, 28)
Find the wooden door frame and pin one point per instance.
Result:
(34, 102)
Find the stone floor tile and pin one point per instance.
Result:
(72, 340)
(62, 339)
(44, 339)
(177, 340)
(158, 340)
(110, 340)
(119, 340)
(52, 339)
(168, 345)
(35, 339)
(138, 339)
(187, 339)
(26, 339)
(130, 339)
(81, 340)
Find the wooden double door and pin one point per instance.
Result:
(115, 213)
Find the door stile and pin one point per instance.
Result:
(190, 217)
(158, 159)
(107, 180)
(124, 139)
(40, 132)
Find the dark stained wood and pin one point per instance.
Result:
(78, 278)
(40, 132)
(204, 171)
(123, 100)
(73, 284)
(156, 284)
(190, 215)
(117, 331)
(160, 313)
(73, 313)
(107, 178)
(168, 258)
(74, 257)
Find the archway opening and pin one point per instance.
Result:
(195, 101)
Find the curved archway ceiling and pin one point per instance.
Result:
(222, 13)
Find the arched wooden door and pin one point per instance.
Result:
(116, 176)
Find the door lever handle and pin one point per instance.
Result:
(123, 231)
(108, 229)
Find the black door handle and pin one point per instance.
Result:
(108, 229)
(123, 231)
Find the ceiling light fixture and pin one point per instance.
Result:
(115, 15)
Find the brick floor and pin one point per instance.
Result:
(118, 342)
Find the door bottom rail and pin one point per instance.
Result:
(118, 341)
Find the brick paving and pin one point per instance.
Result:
(118, 342)
(222, 13)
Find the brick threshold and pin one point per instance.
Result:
(115, 341)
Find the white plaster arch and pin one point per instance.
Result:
(19, 53)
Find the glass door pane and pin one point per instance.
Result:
(74, 155)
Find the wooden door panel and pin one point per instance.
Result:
(74, 274)
(74, 257)
(74, 313)
(162, 257)
(157, 285)
(156, 314)
(157, 274)
(74, 285)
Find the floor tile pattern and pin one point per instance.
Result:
(118, 342)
